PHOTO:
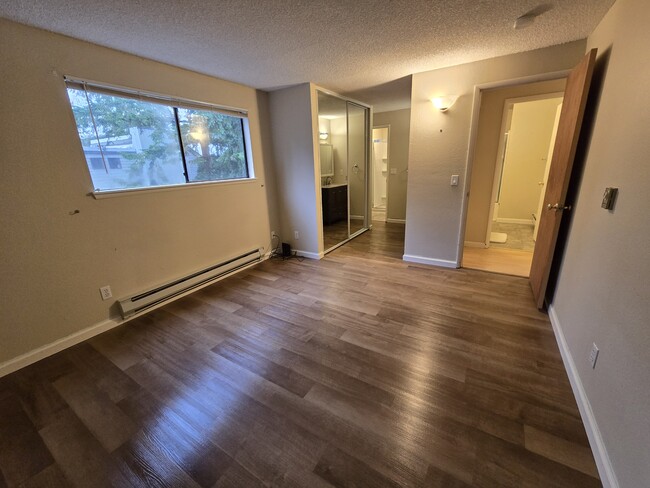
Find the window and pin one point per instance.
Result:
(213, 145)
(114, 163)
(96, 163)
(132, 140)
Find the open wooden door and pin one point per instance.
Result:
(573, 108)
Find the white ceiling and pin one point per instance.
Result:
(366, 48)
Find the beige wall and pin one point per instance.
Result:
(399, 121)
(603, 293)
(487, 147)
(294, 118)
(53, 260)
(525, 161)
(439, 144)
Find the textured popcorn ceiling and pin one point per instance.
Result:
(363, 47)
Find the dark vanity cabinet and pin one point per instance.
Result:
(335, 203)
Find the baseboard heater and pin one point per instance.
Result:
(138, 303)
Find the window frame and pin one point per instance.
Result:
(174, 103)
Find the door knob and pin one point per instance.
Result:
(557, 207)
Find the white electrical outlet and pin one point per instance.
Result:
(296, 234)
(274, 234)
(106, 292)
(593, 355)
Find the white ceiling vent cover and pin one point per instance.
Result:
(138, 303)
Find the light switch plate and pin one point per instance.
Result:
(454, 180)
(593, 355)
(609, 197)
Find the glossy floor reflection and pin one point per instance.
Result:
(356, 370)
(334, 234)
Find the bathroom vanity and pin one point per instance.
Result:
(335, 203)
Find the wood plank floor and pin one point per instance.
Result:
(506, 261)
(357, 370)
(334, 234)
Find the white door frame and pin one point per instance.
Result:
(471, 148)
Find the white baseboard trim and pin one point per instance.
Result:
(481, 245)
(504, 220)
(310, 255)
(433, 262)
(603, 463)
(75, 338)
(357, 217)
(59, 345)
(396, 221)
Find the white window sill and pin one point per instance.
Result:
(99, 195)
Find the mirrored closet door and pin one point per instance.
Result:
(343, 138)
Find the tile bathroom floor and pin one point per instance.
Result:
(520, 236)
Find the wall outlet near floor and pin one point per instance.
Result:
(593, 355)
(274, 234)
(296, 235)
(106, 292)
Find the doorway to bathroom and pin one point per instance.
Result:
(509, 175)
(380, 168)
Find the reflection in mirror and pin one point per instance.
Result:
(326, 160)
(332, 126)
(357, 174)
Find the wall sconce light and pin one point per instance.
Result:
(323, 136)
(444, 103)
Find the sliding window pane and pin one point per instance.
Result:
(214, 145)
(128, 143)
